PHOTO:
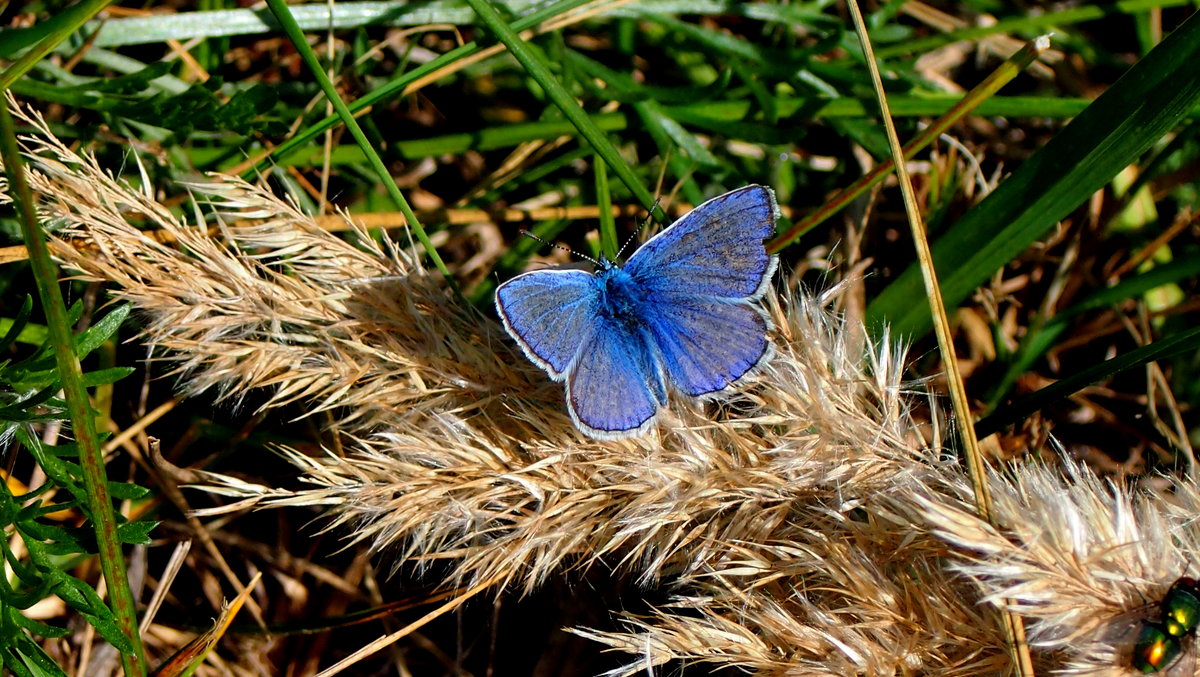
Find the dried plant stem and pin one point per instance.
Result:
(958, 395)
(91, 458)
(388, 640)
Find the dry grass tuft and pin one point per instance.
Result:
(805, 523)
(1084, 559)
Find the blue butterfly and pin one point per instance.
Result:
(682, 312)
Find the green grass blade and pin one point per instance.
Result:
(1179, 344)
(533, 64)
(397, 87)
(63, 26)
(283, 15)
(91, 455)
(651, 115)
(1109, 135)
(310, 17)
(608, 226)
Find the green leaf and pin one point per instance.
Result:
(17, 325)
(198, 108)
(1109, 135)
(82, 598)
(136, 533)
(33, 659)
(102, 377)
(101, 331)
(55, 540)
(124, 85)
(38, 628)
(127, 491)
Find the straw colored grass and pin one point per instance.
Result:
(806, 524)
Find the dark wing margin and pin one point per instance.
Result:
(615, 387)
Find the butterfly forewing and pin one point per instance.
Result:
(550, 313)
(615, 387)
(715, 250)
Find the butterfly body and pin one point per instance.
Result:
(622, 299)
(682, 314)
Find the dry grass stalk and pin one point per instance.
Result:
(804, 522)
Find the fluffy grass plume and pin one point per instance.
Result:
(807, 525)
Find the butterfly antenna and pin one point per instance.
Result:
(568, 250)
(640, 228)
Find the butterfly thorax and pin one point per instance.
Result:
(621, 297)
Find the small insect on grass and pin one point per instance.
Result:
(1160, 643)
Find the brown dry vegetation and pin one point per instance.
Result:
(382, 451)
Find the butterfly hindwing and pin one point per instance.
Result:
(714, 250)
(550, 313)
(706, 345)
(615, 387)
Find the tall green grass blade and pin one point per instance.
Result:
(283, 15)
(651, 116)
(310, 17)
(397, 86)
(534, 64)
(1163, 349)
(608, 226)
(100, 508)
(1108, 136)
(63, 26)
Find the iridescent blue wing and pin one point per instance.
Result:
(550, 313)
(700, 278)
(715, 250)
(707, 344)
(615, 387)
